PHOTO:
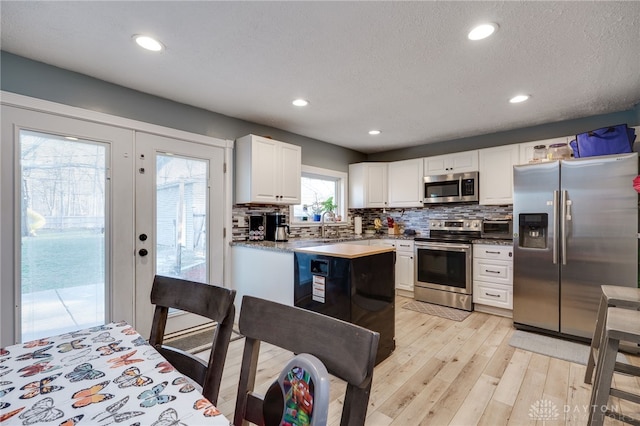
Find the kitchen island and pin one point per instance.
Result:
(353, 283)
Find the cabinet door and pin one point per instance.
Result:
(404, 271)
(264, 160)
(466, 161)
(376, 185)
(496, 174)
(460, 162)
(406, 183)
(437, 165)
(290, 174)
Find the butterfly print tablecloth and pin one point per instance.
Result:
(97, 376)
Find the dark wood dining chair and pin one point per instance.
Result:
(215, 303)
(348, 352)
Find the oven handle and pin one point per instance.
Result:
(444, 246)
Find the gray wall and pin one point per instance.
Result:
(38, 80)
(540, 132)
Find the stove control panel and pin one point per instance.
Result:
(456, 224)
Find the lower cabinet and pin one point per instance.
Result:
(493, 278)
(405, 271)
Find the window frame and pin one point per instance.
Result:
(341, 199)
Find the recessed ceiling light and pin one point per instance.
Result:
(374, 132)
(148, 43)
(482, 31)
(519, 98)
(300, 102)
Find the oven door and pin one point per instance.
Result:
(444, 266)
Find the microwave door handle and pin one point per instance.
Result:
(555, 228)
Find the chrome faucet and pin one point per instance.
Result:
(322, 230)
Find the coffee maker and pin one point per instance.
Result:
(277, 228)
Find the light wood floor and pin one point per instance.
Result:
(453, 373)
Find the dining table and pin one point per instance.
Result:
(107, 374)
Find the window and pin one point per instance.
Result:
(317, 186)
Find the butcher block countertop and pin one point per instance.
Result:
(347, 251)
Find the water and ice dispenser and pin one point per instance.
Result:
(533, 230)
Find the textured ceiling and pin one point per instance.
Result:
(405, 68)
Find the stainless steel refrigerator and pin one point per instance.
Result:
(575, 228)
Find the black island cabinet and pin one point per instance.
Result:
(352, 283)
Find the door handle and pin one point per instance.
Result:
(555, 228)
(563, 226)
(143, 252)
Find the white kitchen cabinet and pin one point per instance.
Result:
(496, 174)
(368, 185)
(404, 268)
(382, 242)
(526, 148)
(405, 271)
(405, 184)
(493, 278)
(267, 171)
(460, 162)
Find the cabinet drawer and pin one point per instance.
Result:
(486, 251)
(488, 294)
(403, 245)
(493, 271)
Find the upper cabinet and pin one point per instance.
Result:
(526, 148)
(460, 162)
(267, 171)
(406, 183)
(367, 185)
(496, 174)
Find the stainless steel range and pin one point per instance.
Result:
(444, 261)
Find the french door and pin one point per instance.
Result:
(179, 220)
(91, 212)
(64, 225)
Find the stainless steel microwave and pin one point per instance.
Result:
(451, 188)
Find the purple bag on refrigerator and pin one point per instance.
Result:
(607, 140)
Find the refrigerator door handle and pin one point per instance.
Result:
(563, 227)
(555, 228)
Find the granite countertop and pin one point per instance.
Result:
(346, 251)
(494, 242)
(295, 243)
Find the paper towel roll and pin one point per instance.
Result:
(357, 225)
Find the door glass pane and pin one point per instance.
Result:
(181, 217)
(62, 269)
